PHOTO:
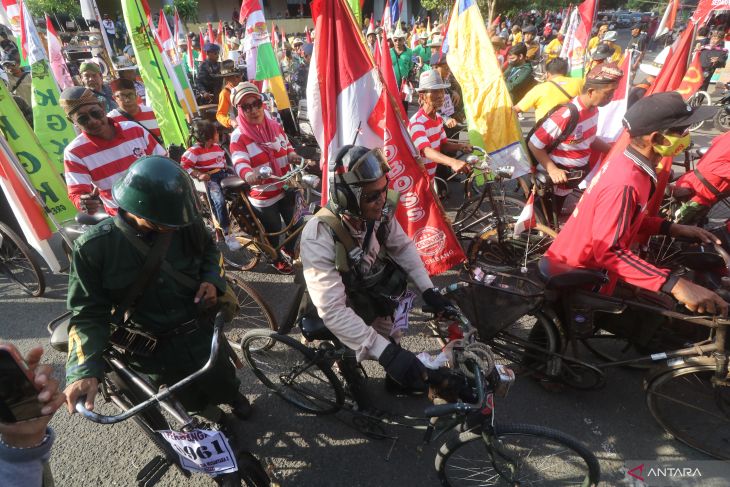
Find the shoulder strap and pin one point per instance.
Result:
(20, 80)
(152, 263)
(561, 89)
(131, 119)
(143, 248)
(707, 184)
(572, 124)
(326, 215)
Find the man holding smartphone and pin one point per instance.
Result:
(25, 445)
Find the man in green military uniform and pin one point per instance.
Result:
(157, 217)
(402, 59)
(519, 73)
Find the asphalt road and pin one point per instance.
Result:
(326, 451)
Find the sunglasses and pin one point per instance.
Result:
(85, 118)
(374, 196)
(255, 105)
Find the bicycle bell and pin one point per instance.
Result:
(265, 172)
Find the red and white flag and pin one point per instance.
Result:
(211, 34)
(308, 35)
(610, 116)
(203, 56)
(668, 19)
(526, 220)
(386, 22)
(164, 34)
(55, 54)
(347, 104)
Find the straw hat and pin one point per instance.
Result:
(431, 80)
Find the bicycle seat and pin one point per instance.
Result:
(313, 329)
(679, 193)
(558, 275)
(86, 219)
(233, 183)
(59, 337)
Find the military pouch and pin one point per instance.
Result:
(378, 293)
(133, 341)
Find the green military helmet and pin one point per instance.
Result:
(157, 189)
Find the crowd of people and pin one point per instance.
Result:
(117, 164)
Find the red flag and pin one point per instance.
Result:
(211, 35)
(283, 36)
(587, 11)
(496, 21)
(23, 32)
(347, 103)
(219, 34)
(274, 37)
(693, 78)
(308, 34)
(176, 29)
(203, 57)
(55, 57)
(191, 60)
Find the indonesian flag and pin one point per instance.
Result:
(191, 60)
(526, 220)
(348, 104)
(308, 33)
(497, 21)
(219, 33)
(668, 19)
(428, 26)
(611, 115)
(693, 78)
(58, 63)
(203, 56)
(274, 37)
(24, 33)
(386, 21)
(164, 34)
(414, 38)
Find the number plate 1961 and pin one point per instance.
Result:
(203, 451)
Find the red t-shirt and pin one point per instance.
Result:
(606, 221)
(715, 167)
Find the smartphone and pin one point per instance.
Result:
(18, 394)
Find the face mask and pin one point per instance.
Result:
(677, 143)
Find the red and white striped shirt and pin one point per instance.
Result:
(203, 159)
(575, 150)
(91, 161)
(145, 117)
(427, 132)
(247, 155)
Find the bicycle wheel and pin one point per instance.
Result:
(254, 313)
(527, 343)
(477, 215)
(699, 99)
(689, 407)
(613, 348)
(527, 455)
(722, 120)
(512, 252)
(244, 258)
(250, 471)
(18, 264)
(291, 370)
(719, 213)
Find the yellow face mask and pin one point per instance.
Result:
(677, 143)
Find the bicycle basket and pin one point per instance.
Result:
(497, 302)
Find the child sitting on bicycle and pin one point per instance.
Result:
(205, 161)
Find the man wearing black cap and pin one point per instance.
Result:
(518, 74)
(638, 44)
(208, 81)
(612, 211)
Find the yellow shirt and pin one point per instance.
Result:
(553, 48)
(517, 38)
(593, 43)
(545, 96)
(617, 54)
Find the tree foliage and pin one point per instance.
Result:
(38, 8)
(504, 7)
(187, 9)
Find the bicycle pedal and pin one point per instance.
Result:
(151, 473)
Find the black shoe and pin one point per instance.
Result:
(241, 408)
(398, 390)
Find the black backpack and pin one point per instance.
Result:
(572, 124)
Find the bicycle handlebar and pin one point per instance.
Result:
(165, 392)
(459, 406)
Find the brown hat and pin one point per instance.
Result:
(75, 97)
(122, 84)
(605, 73)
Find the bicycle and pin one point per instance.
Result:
(253, 238)
(196, 447)
(325, 378)
(18, 264)
(566, 320)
